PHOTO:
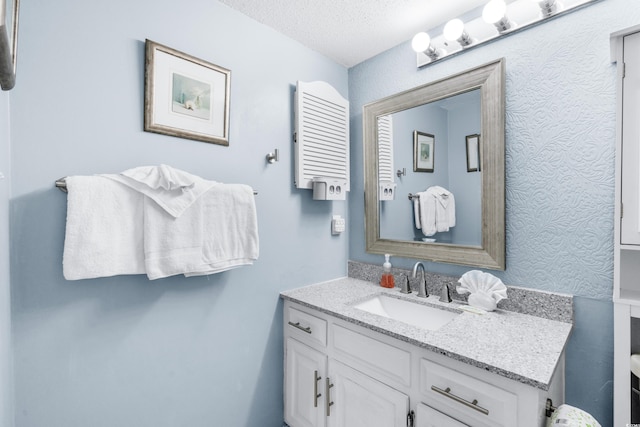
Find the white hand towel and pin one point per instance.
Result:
(427, 213)
(230, 229)
(416, 211)
(448, 202)
(174, 190)
(103, 234)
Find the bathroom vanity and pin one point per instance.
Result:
(347, 366)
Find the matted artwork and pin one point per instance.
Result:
(185, 96)
(423, 151)
(473, 153)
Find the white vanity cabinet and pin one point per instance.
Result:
(339, 374)
(625, 50)
(322, 391)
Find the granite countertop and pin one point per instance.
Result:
(517, 346)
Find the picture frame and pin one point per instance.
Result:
(473, 152)
(423, 151)
(185, 96)
(9, 12)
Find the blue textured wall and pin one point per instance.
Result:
(560, 146)
(6, 394)
(126, 351)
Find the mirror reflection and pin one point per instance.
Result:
(439, 197)
(443, 141)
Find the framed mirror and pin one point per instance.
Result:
(474, 233)
(9, 10)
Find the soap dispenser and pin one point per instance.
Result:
(387, 280)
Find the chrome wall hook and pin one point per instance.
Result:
(402, 172)
(273, 157)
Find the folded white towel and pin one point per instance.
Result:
(434, 210)
(427, 203)
(104, 229)
(174, 190)
(230, 229)
(159, 221)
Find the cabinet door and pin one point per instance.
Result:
(360, 401)
(426, 416)
(630, 222)
(304, 385)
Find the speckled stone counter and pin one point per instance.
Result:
(518, 346)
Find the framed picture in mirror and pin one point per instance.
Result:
(423, 151)
(473, 153)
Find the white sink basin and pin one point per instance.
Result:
(413, 313)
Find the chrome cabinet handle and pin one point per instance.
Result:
(472, 405)
(316, 395)
(302, 328)
(328, 396)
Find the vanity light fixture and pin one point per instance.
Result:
(455, 31)
(525, 13)
(548, 7)
(495, 12)
(422, 43)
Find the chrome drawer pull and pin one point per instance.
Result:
(472, 405)
(316, 395)
(302, 328)
(327, 394)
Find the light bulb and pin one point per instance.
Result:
(453, 30)
(547, 7)
(494, 11)
(421, 42)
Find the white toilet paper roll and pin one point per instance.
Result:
(569, 416)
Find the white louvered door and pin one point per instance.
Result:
(322, 135)
(386, 182)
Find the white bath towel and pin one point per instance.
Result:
(172, 189)
(427, 208)
(159, 221)
(230, 229)
(171, 245)
(103, 234)
(434, 210)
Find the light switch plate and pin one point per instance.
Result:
(338, 225)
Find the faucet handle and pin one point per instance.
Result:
(445, 296)
(405, 287)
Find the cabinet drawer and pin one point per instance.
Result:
(306, 327)
(429, 417)
(466, 397)
(373, 357)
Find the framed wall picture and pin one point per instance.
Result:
(423, 151)
(185, 96)
(473, 153)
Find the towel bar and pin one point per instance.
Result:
(62, 185)
(413, 196)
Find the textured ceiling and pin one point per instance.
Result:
(352, 31)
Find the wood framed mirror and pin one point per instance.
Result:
(486, 83)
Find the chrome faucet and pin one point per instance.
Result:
(445, 296)
(405, 287)
(422, 285)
